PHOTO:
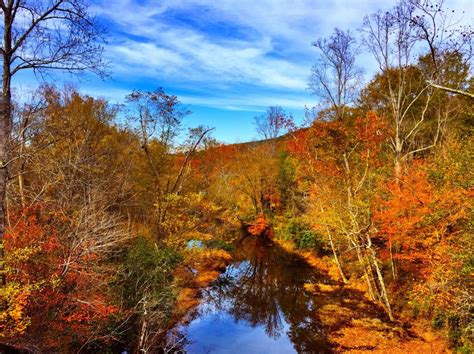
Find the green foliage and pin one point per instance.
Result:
(301, 234)
(286, 182)
(309, 239)
(148, 273)
(247, 218)
(455, 331)
(460, 333)
(438, 322)
(466, 349)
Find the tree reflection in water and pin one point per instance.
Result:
(262, 289)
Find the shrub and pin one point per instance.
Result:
(148, 268)
(299, 232)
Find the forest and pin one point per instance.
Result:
(116, 218)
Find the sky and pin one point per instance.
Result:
(226, 60)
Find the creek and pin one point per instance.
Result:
(258, 305)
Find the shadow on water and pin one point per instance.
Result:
(257, 306)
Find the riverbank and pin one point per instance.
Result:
(201, 267)
(360, 325)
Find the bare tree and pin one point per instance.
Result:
(335, 77)
(397, 39)
(41, 35)
(273, 123)
(160, 116)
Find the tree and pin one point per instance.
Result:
(335, 77)
(339, 163)
(395, 38)
(160, 116)
(74, 168)
(273, 123)
(148, 290)
(40, 36)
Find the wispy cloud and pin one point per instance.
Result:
(226, 54)
(230, 57)
(192, 57)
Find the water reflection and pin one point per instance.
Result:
(257, 306)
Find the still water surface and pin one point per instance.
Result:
(257, 306)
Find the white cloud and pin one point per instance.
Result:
(188, 55)
(142, 56)
(269, 52)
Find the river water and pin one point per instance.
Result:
(258, 305)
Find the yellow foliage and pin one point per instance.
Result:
(13, 302)
(310, 287)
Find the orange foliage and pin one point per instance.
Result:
(323, 145)
(207, 265)
(419, 221)
(260, 227)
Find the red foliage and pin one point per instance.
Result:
(67, 302)
(323, 146)
(32, 231)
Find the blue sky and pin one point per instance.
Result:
(226, 59)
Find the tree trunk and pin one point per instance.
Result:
(336, 258)
(333, 248)
(5, 128)
(5, 123)
(363, 264)
(397, 169)
(368, 275)
(383, 288)
(392, 262)
(142, 342)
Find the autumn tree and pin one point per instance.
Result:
(256, 169)
(41, 36)
(159, 117)
(71, 222)
(290, 197)
(339, 159)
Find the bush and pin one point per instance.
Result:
(149, 268)
(309, 239)
(301, 234)
(438, 322)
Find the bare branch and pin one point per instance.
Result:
(448, 89)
